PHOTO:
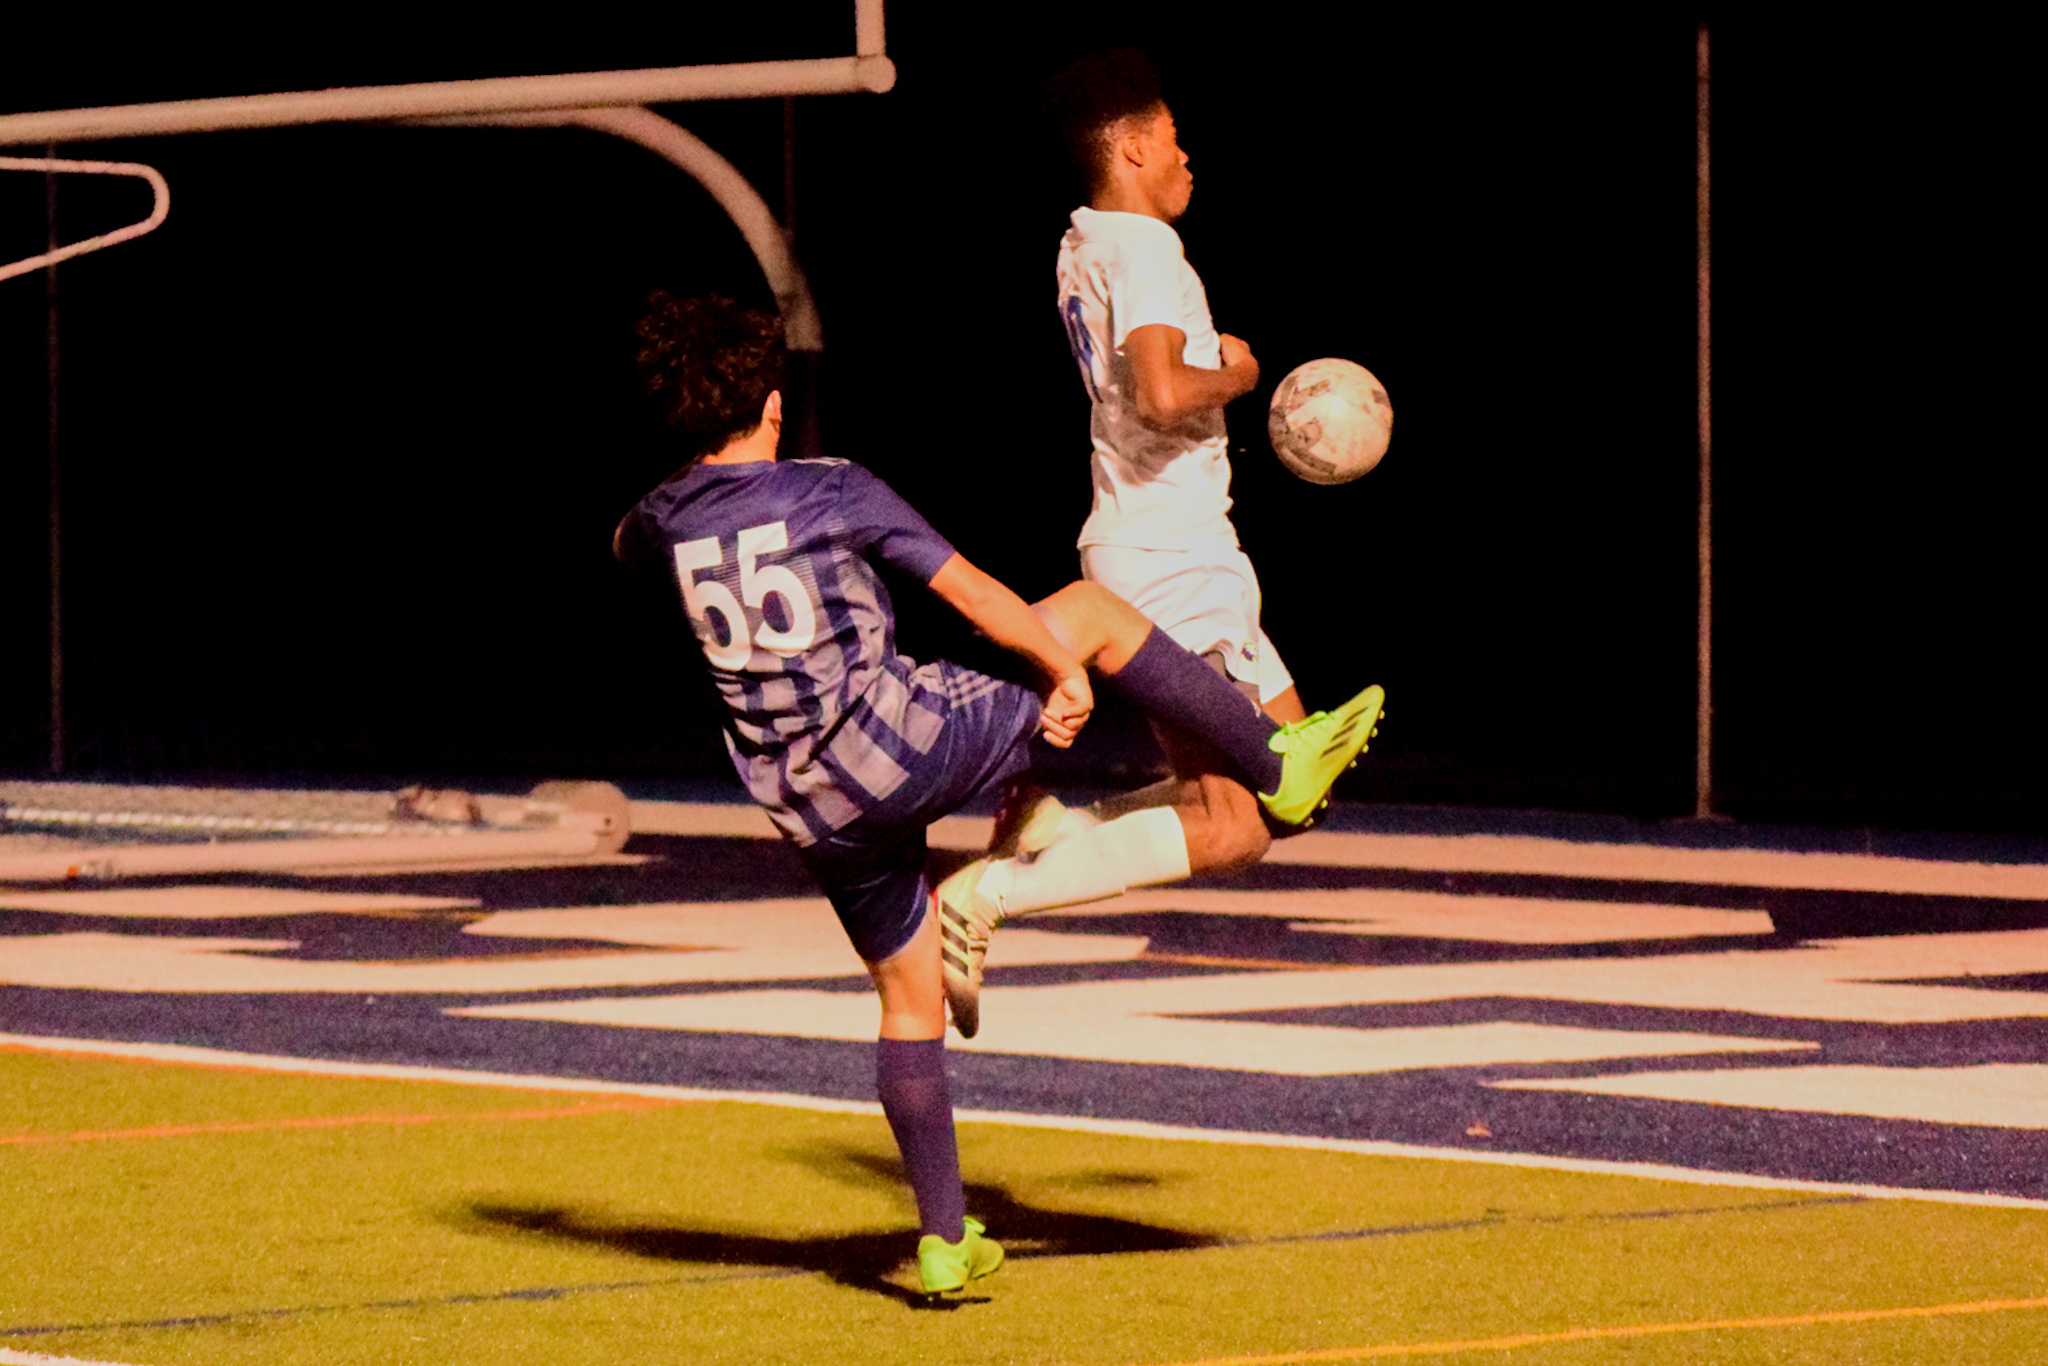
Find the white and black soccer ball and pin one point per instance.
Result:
(1330, 421)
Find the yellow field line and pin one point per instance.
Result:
(324, 1122)
(1636, 1330)
(1201, 960)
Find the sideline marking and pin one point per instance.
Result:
(327, 1122)
(188, 1056)
(1641, 1330)
(8, 1358)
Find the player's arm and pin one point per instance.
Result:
(1168, 389)
(1008, 620)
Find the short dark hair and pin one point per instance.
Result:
(1086, 102)
(710, 364)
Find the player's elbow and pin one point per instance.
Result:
(1156, 409)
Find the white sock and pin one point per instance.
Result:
(1160, 793)
(1131, 851)
(1075, 820)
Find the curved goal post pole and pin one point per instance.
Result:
(159, 210)
(720, 178)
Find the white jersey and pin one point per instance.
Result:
(1154, 490)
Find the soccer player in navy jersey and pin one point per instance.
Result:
(853, 749)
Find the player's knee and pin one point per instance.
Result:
(1084, 600)
(1077, 617)
(1233, 833)
(1246, 841)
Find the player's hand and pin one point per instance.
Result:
(1067, 708)
(1238, 359)
(1236, 353)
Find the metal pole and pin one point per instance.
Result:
(55, 482)
(789, 170)
(719, 177)
(505, 95)
(1703, 774)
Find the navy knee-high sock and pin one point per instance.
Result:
(910, 1075)
(1179, 688)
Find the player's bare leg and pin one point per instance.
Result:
(913, 996)
(1243, 770)
(1098, 627)
(1225, 826)
(1220, 818)
(1212, 805)
(1223, 822)
(1286, 707)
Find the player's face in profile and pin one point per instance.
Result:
(1169, 184)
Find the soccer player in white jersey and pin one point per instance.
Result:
(1158, 374)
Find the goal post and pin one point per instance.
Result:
(160, 207)
(868, 70)
(613, 102)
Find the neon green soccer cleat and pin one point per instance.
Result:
(1315, 751)
(966, 920)
(943, 1266)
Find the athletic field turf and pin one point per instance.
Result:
(185, 1214)
(1532, 1101)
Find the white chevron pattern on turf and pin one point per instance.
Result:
(1109, 1035)
(2006, 1095)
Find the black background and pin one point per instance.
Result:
(344, 441)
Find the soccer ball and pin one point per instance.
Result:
(1330, 421)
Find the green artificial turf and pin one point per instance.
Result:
(743, 1233)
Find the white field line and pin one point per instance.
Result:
(1526, 855)
(1650, 1171)
(8, 1358)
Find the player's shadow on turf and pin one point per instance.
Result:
(860, 1261)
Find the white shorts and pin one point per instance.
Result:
(1207, 600)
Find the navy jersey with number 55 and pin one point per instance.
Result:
(772, 561)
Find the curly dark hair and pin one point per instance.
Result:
(710, 364)
(1087, 101)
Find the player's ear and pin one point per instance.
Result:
(771, 411)
(1130, 142)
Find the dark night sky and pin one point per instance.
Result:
(344, 441)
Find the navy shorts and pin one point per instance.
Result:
(873, 869)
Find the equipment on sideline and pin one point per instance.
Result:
(62, 832)
(1330, 421)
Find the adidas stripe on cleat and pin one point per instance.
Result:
(966, 920)
(1315, 751)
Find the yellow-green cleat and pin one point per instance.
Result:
(966, 920)
(1314, 751)
(943, 1266)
